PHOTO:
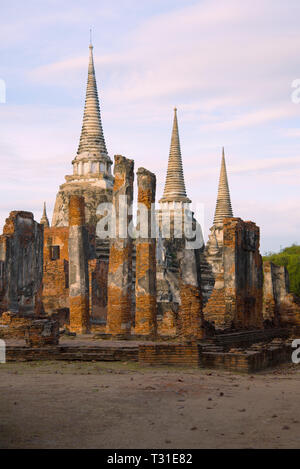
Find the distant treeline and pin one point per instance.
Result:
(290, 258)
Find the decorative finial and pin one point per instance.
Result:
(91, 45)
(175, 109)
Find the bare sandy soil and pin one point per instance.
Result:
(115, 405)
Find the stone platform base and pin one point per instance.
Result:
(232, 355)
(248, 361)
(71, 353)
(170, 354)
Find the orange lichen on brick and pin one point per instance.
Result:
(16, 325)
(56, 272)
(117, 256)
(145, 258)
(76, 210)
(79, 316)
(145, 286)
(119, 181)
(118, 311)
(215, 308)
(191, 316)
(145, 197)
(167, 325)
(145, 315)
(56, 236)
(120, 259)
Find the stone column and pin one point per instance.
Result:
(120, 258)
(78, 267)
(190, 315)
(145, 287)
(243, 274)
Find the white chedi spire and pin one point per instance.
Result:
(223, 207)
(174, 186)
(44, 220)
(92, 156)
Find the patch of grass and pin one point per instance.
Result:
(89, 368)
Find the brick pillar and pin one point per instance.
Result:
(243, 274)
(190, 315)
(145, 286)
(78, 267)
(119, 301)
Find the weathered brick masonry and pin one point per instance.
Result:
(145, 287)
(41, 333)
(236, 299)
(78, 266)
(98, 278)
(169, 354)
(120, 260)
(243, 275)
(56, 270)
(191, 324)
(21, 264)
(279, 306)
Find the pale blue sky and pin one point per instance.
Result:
(227, 66)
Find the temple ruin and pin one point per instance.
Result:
(169, 301)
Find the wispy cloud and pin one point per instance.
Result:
(227, 66)
(250, 119)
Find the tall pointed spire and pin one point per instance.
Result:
(44, 220)
(223, 207)
(92, 141)
(175, 186)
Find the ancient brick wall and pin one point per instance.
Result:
(78, 267)
(190, 318)
(37, 331)
(12, 325)
(120, 261)
(279, 305)
(21, 264)
(211, 262)
(168, 291)
(41, 333)
(270, 310)
(169, 354)
(243, 276)
(215, 309)
(98, 285)
(237, 297)
(56, 269)
(167, 319)
(145, 287)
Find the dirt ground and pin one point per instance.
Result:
(115, 405)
